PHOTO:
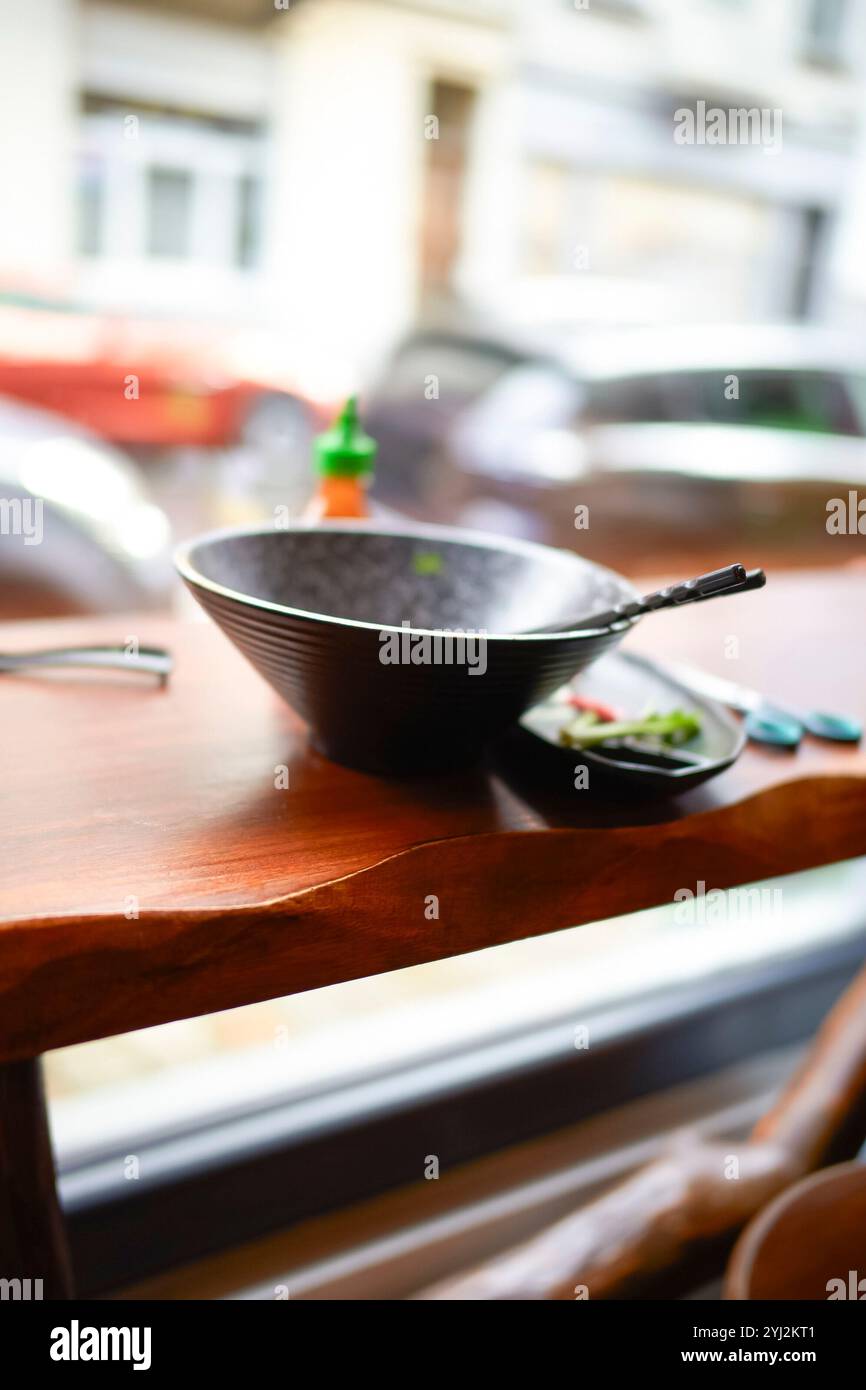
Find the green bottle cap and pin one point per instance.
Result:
(345, 450)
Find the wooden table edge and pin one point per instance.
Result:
(72, 978)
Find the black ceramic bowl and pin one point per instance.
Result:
(355, 626)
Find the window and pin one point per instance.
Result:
(643, 399)
(547, 218)
(158, 186)
(816, 402)
(248, 227)
(825, 31)
(91, 189)
(660, 247)
(169, 204)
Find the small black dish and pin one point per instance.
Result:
(634, 685)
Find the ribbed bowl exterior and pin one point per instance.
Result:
(395, 717)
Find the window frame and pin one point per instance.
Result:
(216, 162)
(244, 1175)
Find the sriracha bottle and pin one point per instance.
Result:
(344, 457)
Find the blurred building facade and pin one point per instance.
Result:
(334, 167)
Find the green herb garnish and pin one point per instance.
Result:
(427, 562)
(587, 729)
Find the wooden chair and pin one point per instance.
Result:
(672, 1224)
(810, 1243)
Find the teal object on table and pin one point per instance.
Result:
(838, 727)
(765, 725)
(768, 723)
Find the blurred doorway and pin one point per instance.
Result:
(443, 185)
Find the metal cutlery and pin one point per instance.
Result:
(155, 661)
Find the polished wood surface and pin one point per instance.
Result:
(154, 867)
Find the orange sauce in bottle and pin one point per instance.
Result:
(344, 458)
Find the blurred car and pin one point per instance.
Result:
(668, 435)
(693, 492)
(147, 381)
(777, 376)
(78, 530)
(431, 378)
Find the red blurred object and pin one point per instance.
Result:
(606, 713)
(134, 381)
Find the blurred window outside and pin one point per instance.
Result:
(604, 222)
(826, 26)
(188, 190)
(91, 204)
(169, 199)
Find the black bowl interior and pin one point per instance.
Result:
(428, 580)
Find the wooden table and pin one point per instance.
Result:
(155, 866)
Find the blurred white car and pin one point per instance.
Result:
(78, 530)
(709, 440)
(784, 381)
